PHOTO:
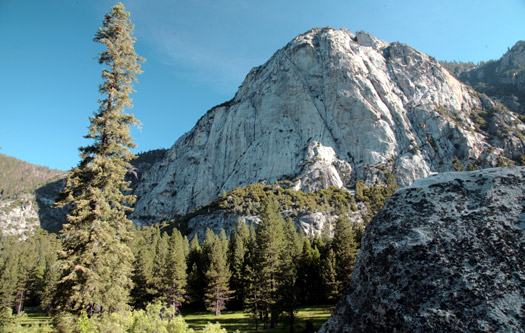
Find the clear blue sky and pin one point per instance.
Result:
(198, 52)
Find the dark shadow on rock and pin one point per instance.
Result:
(51, 218)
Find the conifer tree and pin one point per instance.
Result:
(310, 273)
(288, 291)
(159, 266)
(195, 266)
(345, 249)
(217, 277)
(9, 270)
(270, 245)
(26, 267)
(251, 280)
(331, 284)
(145, 245)
(238, 246)
(174, 287)
(96, 259)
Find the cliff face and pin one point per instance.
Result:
(328, 109)
(445, 254)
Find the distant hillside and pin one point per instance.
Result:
(502, 80)
(29, 192)
(456, 68)
(17, 176)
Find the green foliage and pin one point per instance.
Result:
(175, 276)
(237, 249)
(374, 197)
(495, 123)
(155, 318)
(248, 200)
(17, 176)
(345, 250)
(217, 275)
(145, 248)
(96, 260)
(456, 68)
(270, 245)
(18, 324)
(502, 161)
(457, 164)
(213, 328)
(331, 284)
(28, 270)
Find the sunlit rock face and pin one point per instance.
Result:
(444, 255)
(321, 112)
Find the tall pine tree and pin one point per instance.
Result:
(270, 245)
(238, 246)
(175, 276)
(345, 249)
(217, 276)
(96, 259)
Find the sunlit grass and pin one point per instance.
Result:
(34, 320)
(239, 320)
(230, 320)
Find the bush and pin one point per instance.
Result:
(13, 324)
(156, 318)
(213, 328)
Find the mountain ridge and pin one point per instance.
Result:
(322, 110)
(502, 79)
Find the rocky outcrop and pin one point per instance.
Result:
(321, 112)
(444, 255)
(18, 215)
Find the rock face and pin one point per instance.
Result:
(445, 254)
(503, 79)
(18, 216)
(320, 112)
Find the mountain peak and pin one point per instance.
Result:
(378, 107)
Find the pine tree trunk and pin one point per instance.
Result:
(20, 301)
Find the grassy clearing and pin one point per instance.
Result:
(32, 320)
(230, 320)
(238, 320)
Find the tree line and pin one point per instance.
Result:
(268, 270)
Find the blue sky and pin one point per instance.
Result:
(198, 52)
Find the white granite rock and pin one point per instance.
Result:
(319, 112)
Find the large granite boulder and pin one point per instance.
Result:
(446, 254)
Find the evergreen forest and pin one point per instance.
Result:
(268, 271)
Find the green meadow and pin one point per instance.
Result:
(239, 320)
(229, 320)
